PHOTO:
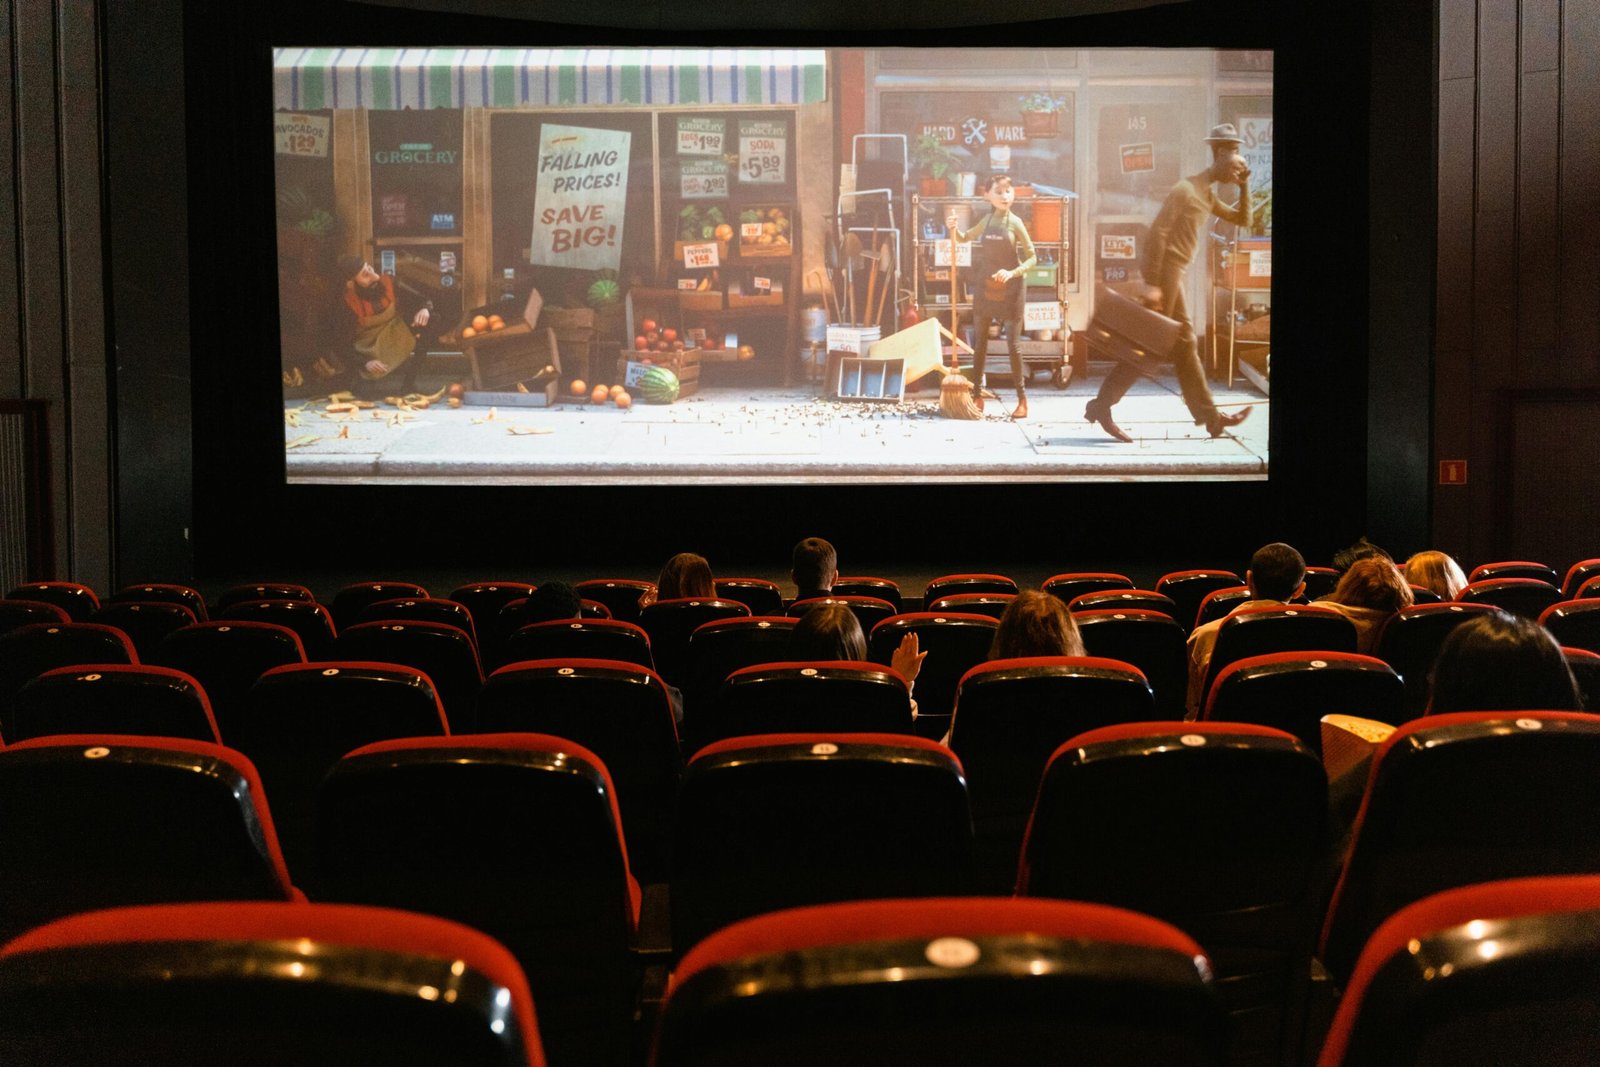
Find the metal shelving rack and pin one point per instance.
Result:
(1051, 356)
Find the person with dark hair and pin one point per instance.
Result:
(1002, 254)
(1368, 594)
(1362, 549)
(378, 336)
(814, 568)
(832, 632)
(1276, 575)
(1171, 246)
(1501, 662)
(684, 575)
(1036, 624)
(551, 601)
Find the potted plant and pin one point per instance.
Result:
(934, 161)
(1041, 114)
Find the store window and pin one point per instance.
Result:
(416, 172)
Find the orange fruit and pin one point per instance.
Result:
(600, 395)
(480, 322)
(496, 322)
(578, 388)
(724, 232)
(616, 391)
(468, 331)
(623, 400)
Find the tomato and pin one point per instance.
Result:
(648, 325)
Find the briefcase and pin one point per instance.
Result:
(1126, 330)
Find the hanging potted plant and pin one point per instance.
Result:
(934, 162)
(1041, 114)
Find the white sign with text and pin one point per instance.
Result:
(580, 195)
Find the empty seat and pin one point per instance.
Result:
(484, 600)
(1125, 599)
(1410, 642)
(75, 598)
(15, 614)
(349, 602)
(669, 624)
(238, 594)
(113, 698)
(868, 610)
(1070, 584)
(846, 696)
(1261, 631)
(809, 818)
(593, 609)
(1216, 828)
(1505, 972)
(29, 651)
(1423, 595)
(1462, 798)
(320, 985)
(162, 592)
(309, 620)
(1011, 714)
(445, 653)
(1150, 640)
(1219, 602)
(991, 604)
(944, 981)
(421, 609)
(1188, 588)
(761, 596)
(1577, 574)
(620, 595)
(716, 650)
(300, 718)
(145, 622)
(621, 713)
(954, 643)
(1294, 690)
(226, 658)
(1575, 623)
(947, 584)
(865, 585)
(1518, 568)
(102, 820)
(1589, 589)
(1527, 597)
(579, 639)
(1320, 582)
(1585, 667)
(516, 835)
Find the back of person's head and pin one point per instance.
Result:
(1036, 624)
(684, 575)
(1372, 583)
(1501, 662)
(1436, 571)
(1276, 571)
(1362, 549)
(815, 564)
(551, 601)
(828, 631)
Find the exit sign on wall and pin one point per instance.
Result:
(1452, 472)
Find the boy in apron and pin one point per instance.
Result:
(1002, 252)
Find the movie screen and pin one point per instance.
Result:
(596, 266)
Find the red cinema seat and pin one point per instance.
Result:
(1219, 603)
(15, 614)
(421, 609)
(316, 985)
(947, 584)
(1216, 828)
(484, 601)
(991, 604)
(348, 603)
(669, 624)
(969, 980)
(1578, 574)
(113, 698)
(1462, 798)
(1410, 642)
(716, 650)
(1150, 640)
(579, 639)
(104, 820)
(238, 594)
(1575, 623)
(790, 696)
(1071, 584)
(516, 835)
(1320, 582)
(145, 622)
(866, 585)
(868, 610)
(162, 592)
(226, 658)
(1125, 600)
(620, 595)
(954, 642)
(1504, 972)
(1517, 568)
(1262, 631)
(808, 818)
(761, 596)
(309, 620)
(445, 653)
(1188, 588)
(1292, 691)
(1528, 597)
(76, 599)
(29, 651)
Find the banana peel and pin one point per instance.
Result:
(527, 431)
(303, 440)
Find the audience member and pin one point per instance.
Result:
(1501, 662)
(832, 632)
(1436, 572)
(1368, 594)
(551, 601)
(1362, 549)
(1276, 575)
(684, 575)
(1036, 624)
(815, 568)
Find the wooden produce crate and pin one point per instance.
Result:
(499, 359)
(685, 364)
(769, 233)
(741, 297)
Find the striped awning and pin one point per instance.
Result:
(390, 78)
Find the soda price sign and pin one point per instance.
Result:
(703, 179)
(701, 136)
(763, 152)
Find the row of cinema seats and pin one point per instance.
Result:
(1216, 829)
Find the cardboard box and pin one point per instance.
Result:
(870, 379)
(1252, 263)
(541, 396)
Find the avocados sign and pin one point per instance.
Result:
(580, 194)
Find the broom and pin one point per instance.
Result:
(955, 391)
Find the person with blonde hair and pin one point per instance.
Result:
(1368, 594)
(684, 575)
(1036, 623)
(1437, 572)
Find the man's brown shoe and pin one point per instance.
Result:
(1219, 422)
(1096, 412)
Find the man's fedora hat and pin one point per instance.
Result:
(1224, 134)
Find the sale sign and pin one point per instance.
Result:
(701, 136)
(763, 152)
(703, 179)
(301, 135)
(580, 195)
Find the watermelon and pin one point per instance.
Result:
(658, 385)
(604, 292)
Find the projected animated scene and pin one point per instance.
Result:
(765, 266)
